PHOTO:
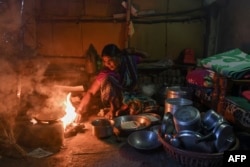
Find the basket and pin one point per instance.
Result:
(195, 159)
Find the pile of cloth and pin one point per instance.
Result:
(200, 77)
(234, 64)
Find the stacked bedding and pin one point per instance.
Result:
(234, 64)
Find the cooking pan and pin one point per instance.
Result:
(48, 116)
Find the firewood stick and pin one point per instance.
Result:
(12, 141)
(20, 149)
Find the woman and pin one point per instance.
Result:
(119, 75)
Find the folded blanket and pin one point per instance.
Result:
(200, 77)
(239, 101)
(233, 64)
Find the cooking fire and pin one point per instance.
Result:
(70, 120)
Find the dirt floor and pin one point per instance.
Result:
(85, 150)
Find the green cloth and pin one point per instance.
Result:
(240, 102)
(232, 64)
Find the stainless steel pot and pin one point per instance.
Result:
(211, 119)
(101, 128)
(187, 118)
(222, 136)
(172, 104)
(166, 92)
(167, 125)
(177, 92)
(225, 137)
(188, 140)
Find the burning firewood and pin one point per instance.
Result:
(73, 129)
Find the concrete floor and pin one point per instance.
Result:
(85, 150)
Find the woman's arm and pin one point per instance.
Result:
(141, 55)
(78, 88)
(137, 52)
(82, 108)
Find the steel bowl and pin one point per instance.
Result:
(156, 129)
(141, 123)
(144, 140)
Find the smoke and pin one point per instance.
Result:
(38, 94)
(25, 90)
(11, 22)
(22, 88)
(22, 73)
(8, 89)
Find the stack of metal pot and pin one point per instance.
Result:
(185, 127)
(190, 130)
(176, 97)
(219, 130)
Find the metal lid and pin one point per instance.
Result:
(178, 101)
(177, 90)
(172, 104)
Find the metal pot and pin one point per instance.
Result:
(167, 125)
(211, 119)
(172, 104)
(177, 92)
(222, 136)
(187, 118)
(101, 128)
(166, 92)
(188, 140)
(225, 137)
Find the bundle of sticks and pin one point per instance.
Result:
(8, 141)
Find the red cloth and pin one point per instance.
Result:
(199, 77)
(246, 94)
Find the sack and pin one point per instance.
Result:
(91, 60)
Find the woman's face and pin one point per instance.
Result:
(110, 62)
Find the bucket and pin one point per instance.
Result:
(172, 104)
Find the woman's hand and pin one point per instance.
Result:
(82, 107)
(80, 110)
(130, 50)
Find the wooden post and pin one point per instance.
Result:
(215, 93)
(127, 23)
(223, 90)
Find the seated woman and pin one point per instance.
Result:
(119, 75)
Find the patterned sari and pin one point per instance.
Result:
(114, 84)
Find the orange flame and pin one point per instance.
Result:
(70, 115)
